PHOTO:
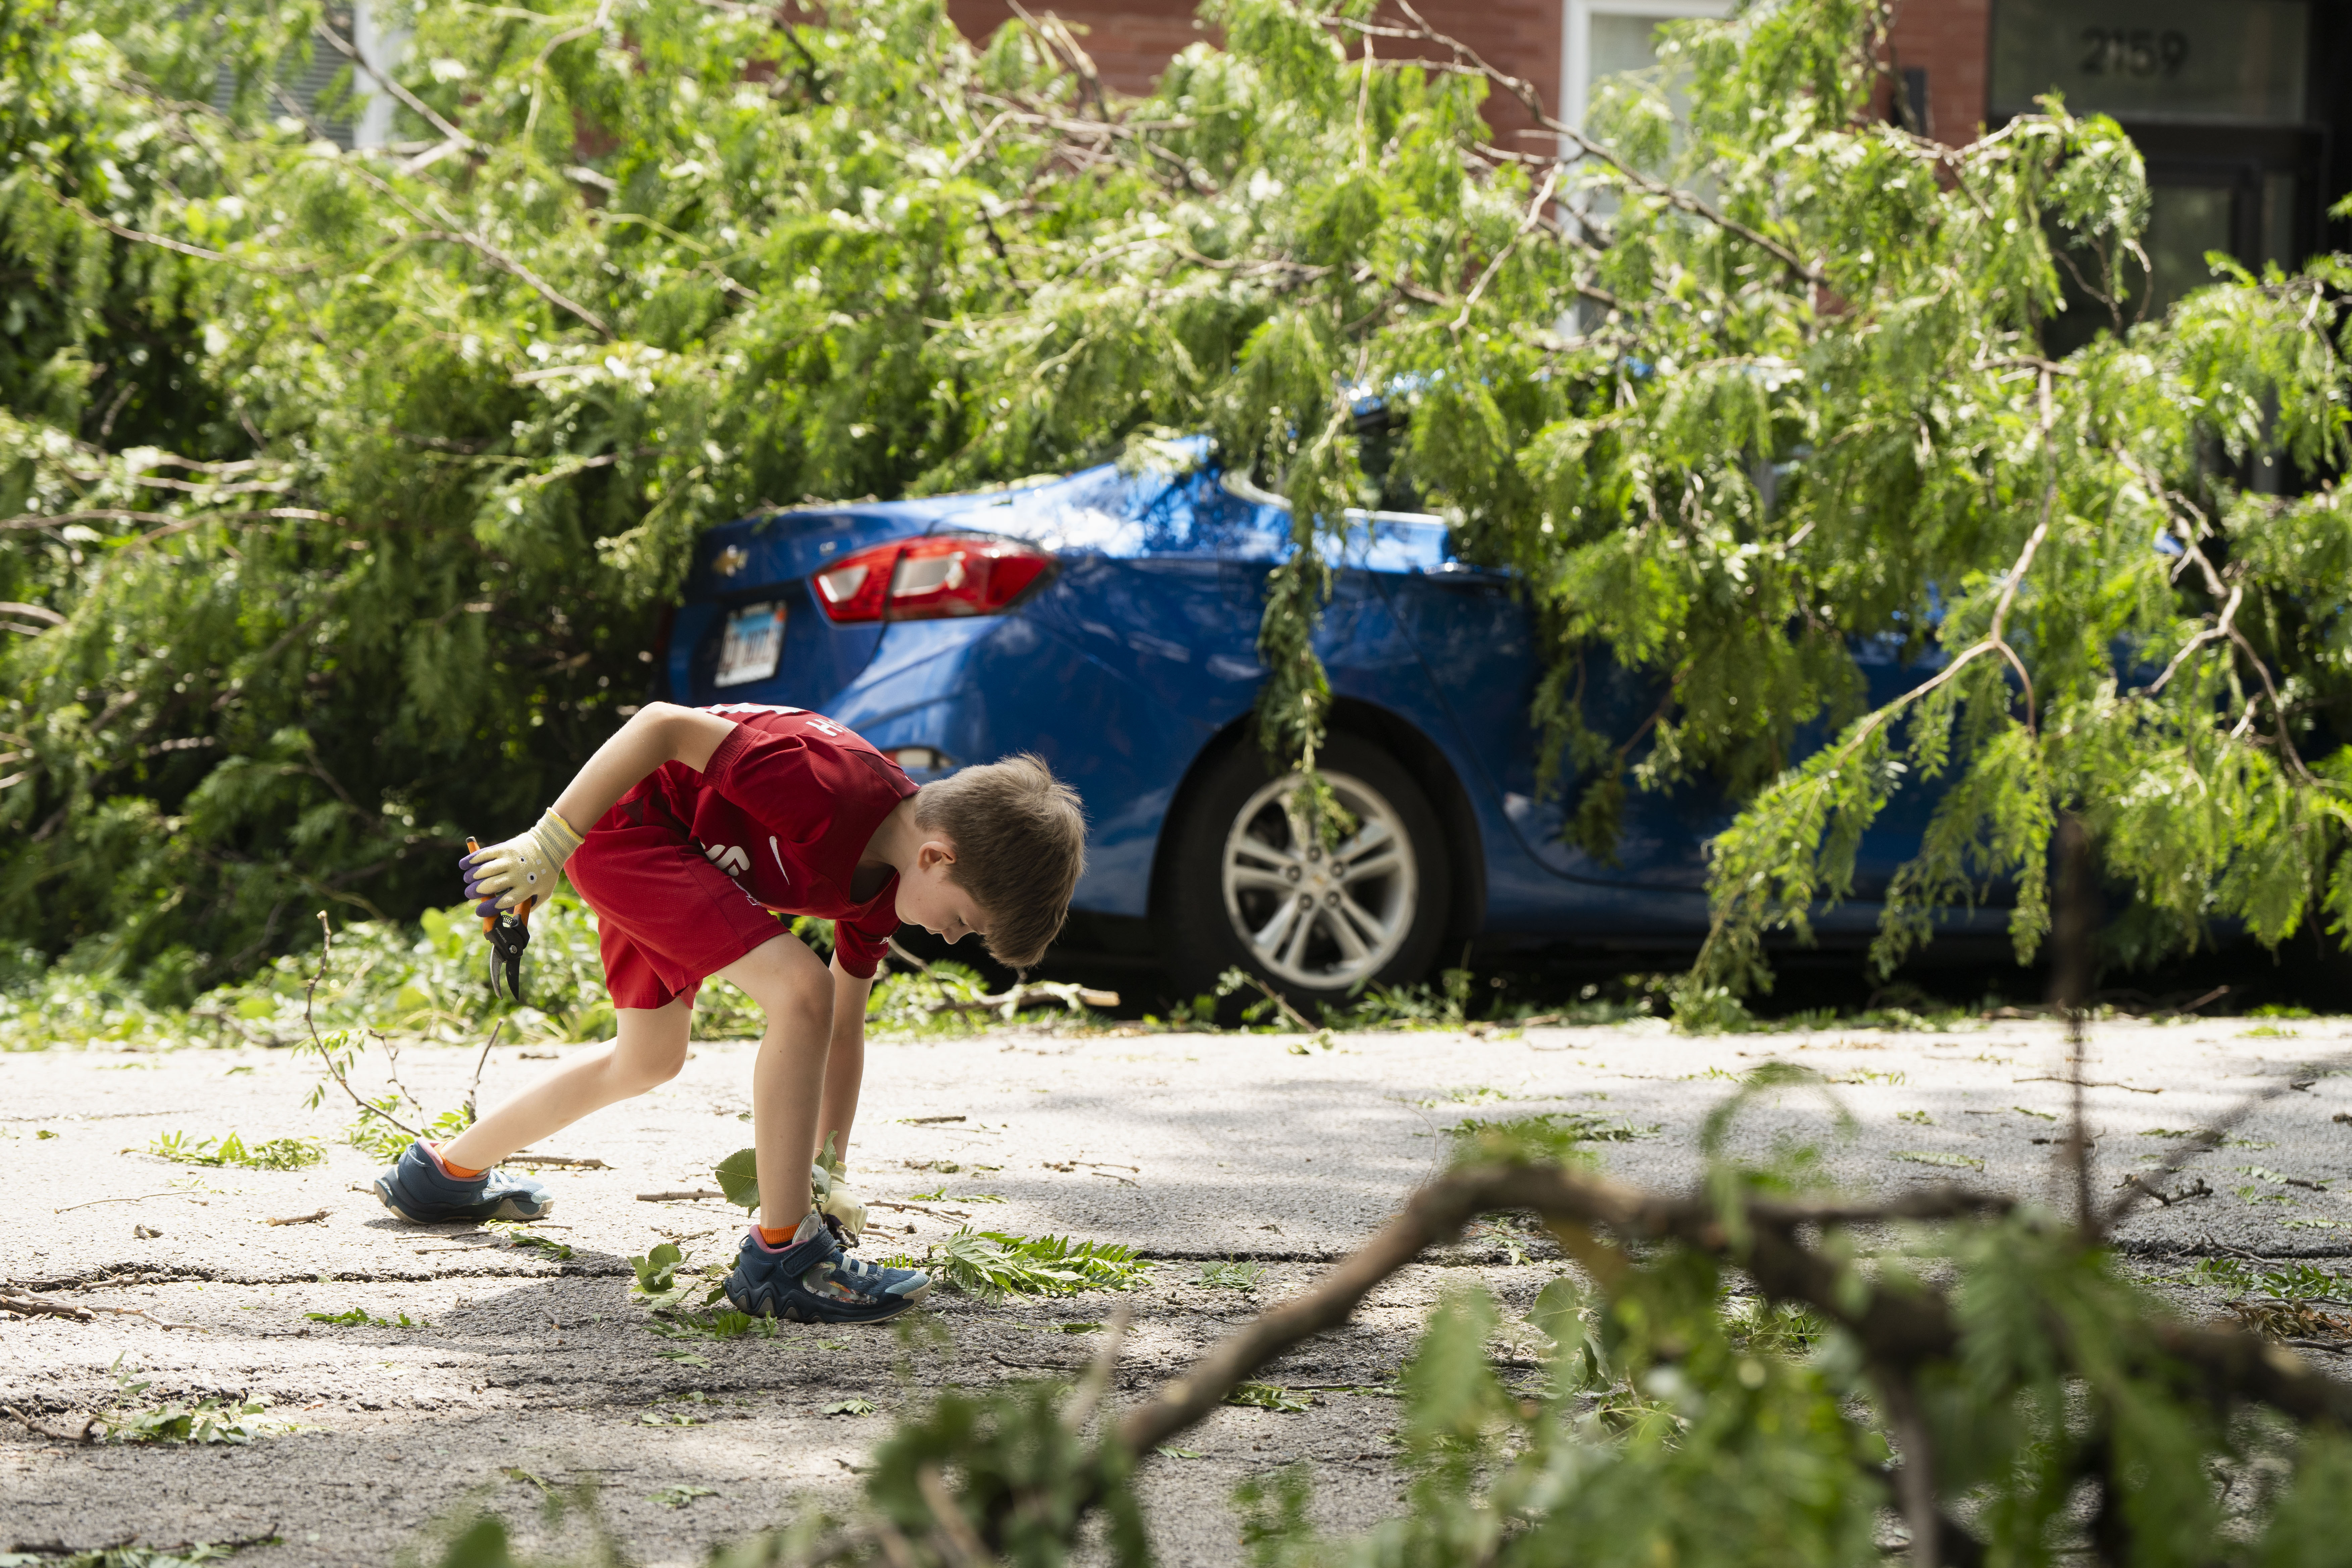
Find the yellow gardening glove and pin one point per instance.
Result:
(834, 1196)
(525, 867)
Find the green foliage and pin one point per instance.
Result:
(121, 1557)
(680, 1496)
(1269, 1396)
(1229, 1274)
(993, 1263)
(357, 1317)
(1442, 1006)
(425, 982)
(346, 488)
(1653, 1407)
(738, 1178)
(1559, 1137)
(275, 1154)
(233, 1420)
(657, 1285)
(1017, 1461)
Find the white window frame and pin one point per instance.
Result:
(1576, 41)
(382, 48)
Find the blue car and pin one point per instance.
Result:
(1108, 622)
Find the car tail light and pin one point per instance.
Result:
(928, 579)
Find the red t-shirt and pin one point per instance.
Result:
(786, 809)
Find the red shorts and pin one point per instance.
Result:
(667, 918)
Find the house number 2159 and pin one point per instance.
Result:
(2132, 51)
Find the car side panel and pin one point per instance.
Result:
(980, 688)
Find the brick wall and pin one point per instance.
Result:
(1131, 40)
(1950, 39)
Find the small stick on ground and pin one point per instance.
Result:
(42, 1306)
(916, 1209)
(313, 1217)
(1279, 999)
(36, 1427)
(2086, 1083)
(133, 1198)
(695, 1196)
(528, 1158)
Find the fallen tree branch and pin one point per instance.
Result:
(37, 1428)
(1897, 1331)
(42, 1306)
(1438, 1212)
(334, 1068)
(1466, 61)
(1005, 1003)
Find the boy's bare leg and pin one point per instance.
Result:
(788, 1081)
(649, 1049)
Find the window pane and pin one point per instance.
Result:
(1623, 43)
(2154, 59)
(2184, 222)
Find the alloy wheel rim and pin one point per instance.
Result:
(1323, 919)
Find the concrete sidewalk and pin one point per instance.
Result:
(1187, 1147)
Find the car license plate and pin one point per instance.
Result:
(753, 645)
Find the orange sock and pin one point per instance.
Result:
(772, 1237)
(460, 1171)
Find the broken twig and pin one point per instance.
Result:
(42, 1306)
(133, 1198)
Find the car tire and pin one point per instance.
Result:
(1234, 874)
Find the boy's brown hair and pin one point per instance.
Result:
(1020, 837)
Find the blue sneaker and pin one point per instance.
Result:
(812, 1281)
(419, 1191)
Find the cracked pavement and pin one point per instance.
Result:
(519, 1369)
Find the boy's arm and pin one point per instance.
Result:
(658, 733)
(844, 1061)
(503, 874)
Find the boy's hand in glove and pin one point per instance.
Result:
(526, 867)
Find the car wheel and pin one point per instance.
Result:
(1248, 887)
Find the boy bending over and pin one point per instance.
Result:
(707, 823)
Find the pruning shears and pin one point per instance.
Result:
(510, 934)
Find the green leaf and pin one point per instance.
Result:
(1939, 1157)
(738, 1178)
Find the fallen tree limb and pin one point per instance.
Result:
(1900, 1331)
(37, 1428)
(42, 1306)
(1005, 1003)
